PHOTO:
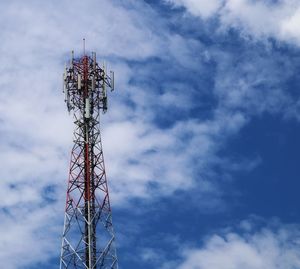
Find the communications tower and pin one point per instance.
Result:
(88, 236)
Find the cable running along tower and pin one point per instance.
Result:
(88, 236)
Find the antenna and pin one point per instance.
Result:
(112, 76)
(72, 58)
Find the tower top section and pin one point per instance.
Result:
(85, 85)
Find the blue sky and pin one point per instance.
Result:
(201, 138)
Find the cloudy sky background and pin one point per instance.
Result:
(201, 139)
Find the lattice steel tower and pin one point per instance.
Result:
(88, 236)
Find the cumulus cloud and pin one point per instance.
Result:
(266, 248)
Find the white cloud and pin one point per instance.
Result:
(268, 248)
(252, 83)
(288, 28)
(28, 235)
(163, 157)
(258, 19)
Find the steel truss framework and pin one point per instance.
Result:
(88, 236)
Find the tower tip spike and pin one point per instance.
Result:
(83, 46)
